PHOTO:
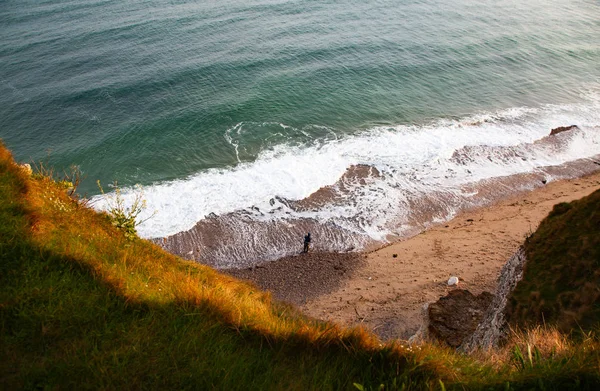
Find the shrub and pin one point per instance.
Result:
(125, 217)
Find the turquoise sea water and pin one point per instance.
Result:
(219, 106)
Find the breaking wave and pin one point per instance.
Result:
(417, 175)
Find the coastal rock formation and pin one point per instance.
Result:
(561, 129)
(455, 316)
(492, 327)
(470, 154)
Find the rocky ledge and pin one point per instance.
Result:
(466, 322)
(492, 327)
(454, 317)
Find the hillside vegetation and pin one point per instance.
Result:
(561, 280)
(82, 306)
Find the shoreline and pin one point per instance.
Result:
(366, 208)
(386, 293)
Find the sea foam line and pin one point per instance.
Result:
(412, 159)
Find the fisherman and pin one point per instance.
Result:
(306, 243)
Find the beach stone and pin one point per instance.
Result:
(454, 317)
(561, 129)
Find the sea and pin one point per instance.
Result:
(247, 123)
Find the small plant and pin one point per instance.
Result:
(125, 217)
(41, 170)
(360, 387)
(533, 358)
(70, 179)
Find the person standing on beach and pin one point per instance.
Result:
(306, 243)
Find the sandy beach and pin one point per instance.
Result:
(385, 290)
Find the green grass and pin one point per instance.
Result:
(561, 280)
(81, 306)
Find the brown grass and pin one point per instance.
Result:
(181, 300)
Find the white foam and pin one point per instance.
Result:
(412, 159)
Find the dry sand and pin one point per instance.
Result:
(387, 294)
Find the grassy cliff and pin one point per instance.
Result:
(561, 280)
(81, 306)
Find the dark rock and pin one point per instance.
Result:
(562, 129)
(493, 327)
(454, 317)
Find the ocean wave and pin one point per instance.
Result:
(441, 156)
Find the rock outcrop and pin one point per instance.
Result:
(492, 327)
(561, 129)
(454, 317)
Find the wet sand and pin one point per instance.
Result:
(298, 279)
(386, 289)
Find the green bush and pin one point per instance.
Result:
(125, 217)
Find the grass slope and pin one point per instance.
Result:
(82, 307)
(561, 281)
